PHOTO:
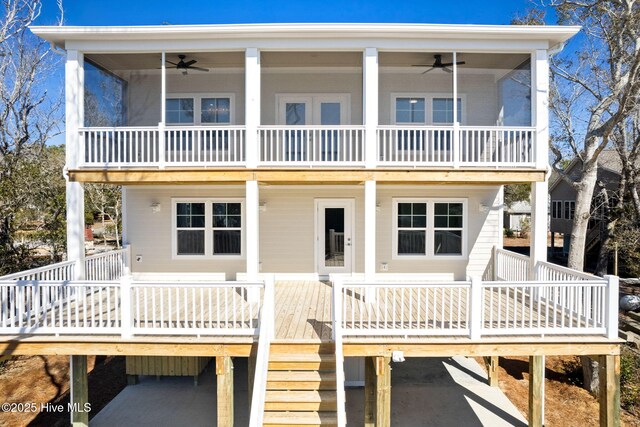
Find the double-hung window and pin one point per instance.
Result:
(199, 109)
(206, 228)
(556, 209)
(569, 209)
(429, 228)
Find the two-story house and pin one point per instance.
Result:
(304, 193)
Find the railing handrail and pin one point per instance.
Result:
(107, 253)
(37, 270)
(103, 128)
(320, 127)
(267, 318)
(337, 337)
(512, 254)
(567, 270)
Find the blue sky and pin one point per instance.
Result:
(151, 12)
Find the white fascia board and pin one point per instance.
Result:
(552, 35)
(407, 45)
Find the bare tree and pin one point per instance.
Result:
(29, 117)
(595, 89)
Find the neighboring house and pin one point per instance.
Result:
(516, 215)
(370, 156)
(563, 200)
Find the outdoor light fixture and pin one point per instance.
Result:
(262, 206)
(155, 207)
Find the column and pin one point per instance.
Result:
(74, 111)
(252, 105)
(79, 391)
(383, 391)
(370, 105)
(540, 106)
(224, 390)
(369, 392)
(539, 197)
(536, 391)
(369, 230)
(609, 391)
(252, 230)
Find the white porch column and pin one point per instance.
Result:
(370, 105)
(252, 105)
(74, 111)
(369, 230)
(539, 197)
(252, 230)
(540, 106)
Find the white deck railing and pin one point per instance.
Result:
(111, 265)
(478, 308)
(311, 145)
(129, 307)
(151, 147)
(488, 146)
(267, 333)
(511, 266)
(59, 271)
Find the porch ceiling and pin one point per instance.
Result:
(499, 61)
(150, 61)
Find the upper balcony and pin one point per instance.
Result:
(309, 109)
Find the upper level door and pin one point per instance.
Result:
(322, 110)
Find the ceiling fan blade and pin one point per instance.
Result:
(199, 69)
(448, 64)
(172, 63)
(421, 65)
(430, 69)
(190, 63)
(448, 70)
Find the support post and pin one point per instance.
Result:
(79, 391)
(252, 106)
(370, 105)
(539, 107)
(536, 393)
(492, 362)
(74, 112)
(253, 233)
(475, 321)
(539, 196)
(224, 391)
(162, 144)
(369, 237)
(383, 391)
(369, 392)
(613, 295)
(609, 395)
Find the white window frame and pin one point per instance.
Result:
(559, 212)
(428, 108)
(197, 108)
(429, 238)
(208, 228)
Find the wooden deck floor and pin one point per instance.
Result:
(303, 310)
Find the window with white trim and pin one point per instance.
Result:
(447, 228)
(556, 209)
(429, 228)
(410, 110)
(206, 228)
(442, 110)
(569, 209)
(199, 109)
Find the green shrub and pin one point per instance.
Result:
(509, 232)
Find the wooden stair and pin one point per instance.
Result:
(301, 389)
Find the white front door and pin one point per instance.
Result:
(334, 235)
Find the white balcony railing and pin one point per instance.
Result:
(456, 146)
(151, 147)
(129, 307)
(311, 145)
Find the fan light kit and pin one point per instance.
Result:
(439, 64)
(186, 65)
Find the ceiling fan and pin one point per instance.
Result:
(439, 64)
(185, 66)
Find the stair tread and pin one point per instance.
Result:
(302, 357)
(301, 376)
(300, 396)
(303, 418)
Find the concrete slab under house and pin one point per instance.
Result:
(313, 201)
